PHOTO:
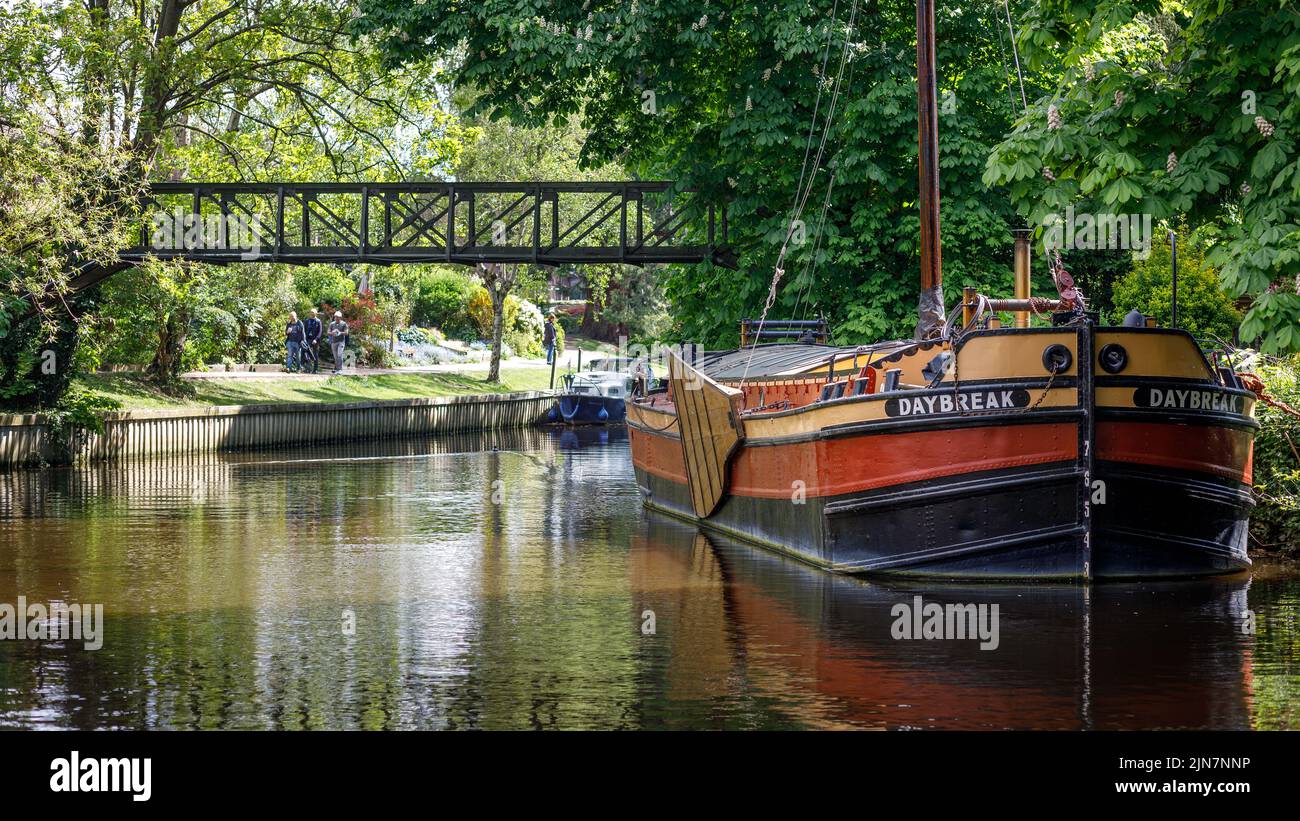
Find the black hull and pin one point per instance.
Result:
(1159, 522)
(997, 525)
(586, 409)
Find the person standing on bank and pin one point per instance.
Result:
(548, 337)
(294, 336)
(312, 327)
(338, 335)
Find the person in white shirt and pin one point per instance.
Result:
(338, 338)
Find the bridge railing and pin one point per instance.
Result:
(547, 223)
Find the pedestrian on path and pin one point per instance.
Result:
(312, 327)
(548, 337)
(294, 336)
(338, 337)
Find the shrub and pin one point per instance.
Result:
(214, 332)
(442, 301)
(1204, 309)
(569, 317)
(415, 336)
(480, 312)
(1275, 524)
(367, 334)
(73, 418)
(317, 285)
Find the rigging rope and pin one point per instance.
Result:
(1006, 69)
(1015, 51)
(801, 195)
(809, 272)
(812, 124)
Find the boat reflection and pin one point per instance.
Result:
(819, 647)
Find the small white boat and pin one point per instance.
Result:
(592, 398)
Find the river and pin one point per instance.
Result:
(514, 581)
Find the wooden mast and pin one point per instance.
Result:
(931, 308)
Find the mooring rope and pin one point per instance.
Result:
(1256, 386)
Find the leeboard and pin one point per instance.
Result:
(708, 419)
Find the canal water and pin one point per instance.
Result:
(515, 581)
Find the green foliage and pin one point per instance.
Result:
(1275, 523)
(77, 414)
(1096, 271)
(626, 301)
(720, 98)
(317, 285)
(39, 354)
(1204, 310)
(1173, 109)
(21, 363)
(442, 301)
(215, 334)
(559, 336)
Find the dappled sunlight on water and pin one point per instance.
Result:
(503, 581)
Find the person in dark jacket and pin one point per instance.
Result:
(548, 337)
(294, 336)
(312, 327)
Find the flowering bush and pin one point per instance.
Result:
(524, 331)
(367, 332)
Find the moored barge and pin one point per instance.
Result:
(1073, 451)
(1066, 452)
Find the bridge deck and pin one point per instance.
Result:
(545, 223)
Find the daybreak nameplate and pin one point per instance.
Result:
(1192, 399)
(948, 402)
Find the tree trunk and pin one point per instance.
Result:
(155, 93)
(166, 365)
(498, 332)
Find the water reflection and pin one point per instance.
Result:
(819, 648)
(501, 581)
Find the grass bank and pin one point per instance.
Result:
(133, 392)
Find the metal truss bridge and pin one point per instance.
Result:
(542, 223)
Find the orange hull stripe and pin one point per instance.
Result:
(659, 455)
(1225, 452)
(850, 464)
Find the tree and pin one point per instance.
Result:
(56, 217)
(499, 279)
(1167, 109)
(624, 301)
(732, 101)
(219, 89)
(509, 151)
